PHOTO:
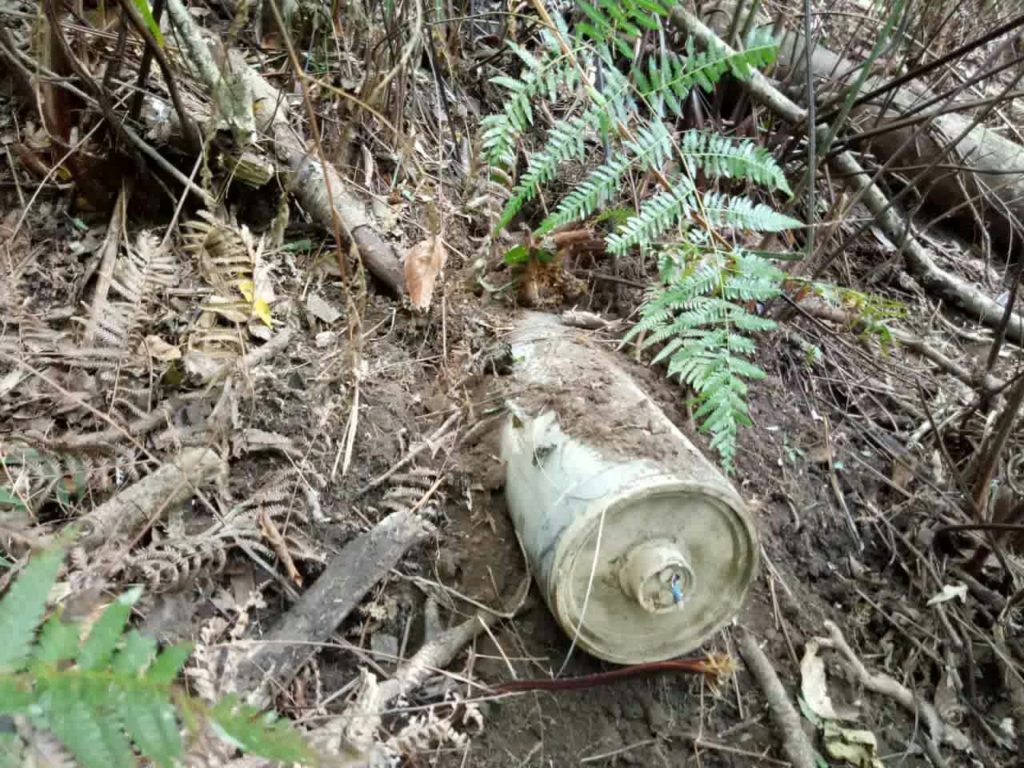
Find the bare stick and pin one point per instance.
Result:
(318, 185)
(349, 575)
(911, 342)
(795, 743)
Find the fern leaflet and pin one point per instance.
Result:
(111, 693)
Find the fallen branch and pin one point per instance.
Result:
(227, 88)
(349, 575)
(945, 286)
(318, 186)
(434, 655)
(795, 743)
(976, 182)
(148, 500)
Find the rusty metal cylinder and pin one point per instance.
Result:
(640, 546)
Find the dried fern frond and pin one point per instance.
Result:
(31, 477)
(231, 261)
(172, 565)
(174, 559)
(406, 489)
(139, 273)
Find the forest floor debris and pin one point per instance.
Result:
(242, 420)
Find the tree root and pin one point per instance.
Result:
(795, 743)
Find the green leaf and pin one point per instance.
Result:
(99, 646)
(21, 609)
(16, 695)
(95, 741)
(258, 733)
(168, 664)
(147, 16)
(152, 725)
(519, 254)
(135, 655)
(11, 499)
(58, 641)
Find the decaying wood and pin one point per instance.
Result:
(349, 575)
(151, 498)
(945, 286)
(226, 88)
(795, 743)
(316, 185)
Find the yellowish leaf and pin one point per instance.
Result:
(246, 289)
(261, 309)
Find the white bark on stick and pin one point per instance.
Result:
(991, 166)
(795, 743)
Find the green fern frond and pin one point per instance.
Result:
(567, 140)
(704, 333)
(110, 695)
(650, 148)
(620, 22)
(545, 76)
(261, 733)
(752, 279)
(736, 212)
(656, 215)
(22, 609)
(714, 365)
(699, 318)
(669, 78)
(718, 155)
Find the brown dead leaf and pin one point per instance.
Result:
(273, 535)
(423, 263)
(158, 349)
